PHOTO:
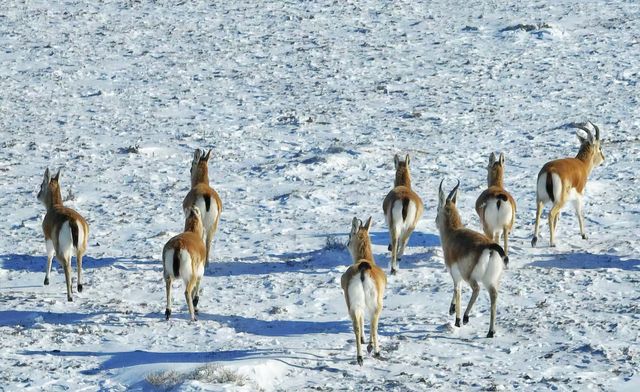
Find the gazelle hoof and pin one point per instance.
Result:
(377, 355)
(389, 248)
(394, 271)
(69, 299)
(359, 359)
(491, 334)
(465, 319)
(79, 288)
(46, 281)
(584, 237)
(534, 241)
(552, 245)
(362, 340)
(452, 309)
(457, 322)
(195, 301)
(370, 348)
(167, 314)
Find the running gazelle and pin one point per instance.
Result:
(363, 284)
(469, 256)
(204, 197)
(402, 210)
(64, 231)
(565, 179)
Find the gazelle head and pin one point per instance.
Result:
(193, 222)
(200, 167)
(359, 243)
(448, 216)
(590, 145)
(495, 170)
(50, 188)
(402, 171)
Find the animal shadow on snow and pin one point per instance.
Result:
(256, 326)
(302, 262)
(28, 318)
(28, 263)
(411, 258)
(125, 359)
(584, 260)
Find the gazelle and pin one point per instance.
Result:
(495, 206)
(469, 256)
(204, 197)
(184, 257)
(402, 209)
(363, 284)
(565, 179)
(64, 230)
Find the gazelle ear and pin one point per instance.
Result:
(355, 224)
(502, 159)
(406, 160)
(492, 159)
(197, 154)
(47, 175)
(396, 160)
(206, 157)
(367, 225)
(57, 176)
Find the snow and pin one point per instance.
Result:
(305, 105)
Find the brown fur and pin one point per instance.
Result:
(191, 241)
(401, 192)
(495, 190)
(573, 174)
(363, 265)
(200, 188)
(57, 214)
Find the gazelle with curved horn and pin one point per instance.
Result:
(565, 179)
(64, 231)
(469, 256)
(363, 284)
(402, 210)
(204, 197)
(495, 206)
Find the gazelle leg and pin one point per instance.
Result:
(458, 307)
(50, 252)
(373, 334)
(553, 220)
(167, 281)
(79, 262)
(578, 207)
(66, 264)
(357, 324)
(394, 254)
(474, 295)
(505, 239)
(188, 292)
(493, 294)
(539, 206)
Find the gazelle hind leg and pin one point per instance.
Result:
(493, 294)
(357, 324)
(66, 264)
(505, 239)
(167, 312)
(539, 206)
(553, 221)
(474, 295)
(50, 252)
(79, 262)
(188, 292)
(373, 334)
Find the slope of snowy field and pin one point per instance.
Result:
(304, 105)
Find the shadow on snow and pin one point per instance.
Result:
(27, 318)
(256, 326)
(584, 260)
(29, 263)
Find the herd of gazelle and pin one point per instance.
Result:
(469, 255)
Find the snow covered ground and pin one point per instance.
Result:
(304, 105)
